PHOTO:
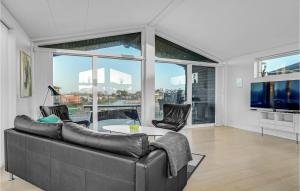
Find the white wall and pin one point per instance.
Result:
(237, 105)
(13, 40)
(23, 43)
(3, 84)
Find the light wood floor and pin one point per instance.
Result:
(237, 160)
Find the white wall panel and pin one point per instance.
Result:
(3, 86)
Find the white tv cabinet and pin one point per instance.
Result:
(280, 121)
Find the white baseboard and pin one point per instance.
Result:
(200, 125)
(255, 129)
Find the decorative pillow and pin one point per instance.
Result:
(50, 119)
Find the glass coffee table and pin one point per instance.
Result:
(124, 129)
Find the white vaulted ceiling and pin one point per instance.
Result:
(223, 28)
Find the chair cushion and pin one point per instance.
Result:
(26, 124)
(166, 126)
(134, 145)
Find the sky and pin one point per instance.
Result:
(66, 70)
(276, 63)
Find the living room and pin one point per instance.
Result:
(89, 90)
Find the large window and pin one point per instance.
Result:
(170, 85)
(109, 78)
(284, 64)
(118, 83)
(203, 94)
(72, 78)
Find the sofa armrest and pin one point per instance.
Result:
(151, 174)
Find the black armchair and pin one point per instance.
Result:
(62, 112)
(174, 116)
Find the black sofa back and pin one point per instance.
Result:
(135, 145)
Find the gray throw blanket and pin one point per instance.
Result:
(178, 151)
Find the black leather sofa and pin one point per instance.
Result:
(66, 157)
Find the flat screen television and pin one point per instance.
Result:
(260, 95)
(280, 95)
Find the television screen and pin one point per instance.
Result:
(283, 95)
(260, 95)
(280, 96)
(293, 95)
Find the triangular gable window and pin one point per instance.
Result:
(128, 44)
(168, 49)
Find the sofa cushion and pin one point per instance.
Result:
(26, 124)
(134, 145)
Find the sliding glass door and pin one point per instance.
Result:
(72, 78)
(118, 89)
(203, 94)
